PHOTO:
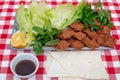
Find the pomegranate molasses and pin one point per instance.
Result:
(25, 67)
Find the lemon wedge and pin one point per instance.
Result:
(18, 40)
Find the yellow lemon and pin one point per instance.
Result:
(18, 40)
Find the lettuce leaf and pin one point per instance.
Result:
(34, 15)
(38, 14)
(25, 24)
(76, 16)
(65, 14)
(61, 14)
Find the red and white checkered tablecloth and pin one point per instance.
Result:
(8, 8)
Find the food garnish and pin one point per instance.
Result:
(95, 18)
(18, 40)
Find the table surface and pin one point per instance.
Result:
(8, 8)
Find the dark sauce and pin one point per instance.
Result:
(25, 67)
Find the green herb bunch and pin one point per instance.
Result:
(98, 13)
(44, 38)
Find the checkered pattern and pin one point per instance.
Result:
(8, 8)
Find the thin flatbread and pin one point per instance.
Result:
(76, 64)
(79, 79)
(71, 79)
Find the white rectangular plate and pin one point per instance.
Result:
(16, 27)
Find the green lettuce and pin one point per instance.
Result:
(25, 24)
(61, 14)
(38, 14)
(34, 15)
(65, 14)
(76, 16)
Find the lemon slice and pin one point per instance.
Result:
(18, 40)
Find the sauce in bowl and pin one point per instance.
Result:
(25, 67)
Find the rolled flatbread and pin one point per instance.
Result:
(76, 64)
